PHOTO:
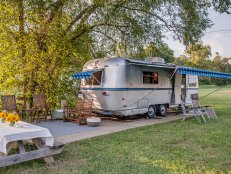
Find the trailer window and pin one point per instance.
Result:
(95, 79)
(192, 84)
(150, 77)
(192, 81)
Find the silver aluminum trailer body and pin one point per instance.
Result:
(123, 86)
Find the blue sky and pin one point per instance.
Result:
(219, 41)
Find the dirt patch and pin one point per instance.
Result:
(225, 92)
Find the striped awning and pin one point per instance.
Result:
(200, 72)
(83, 75)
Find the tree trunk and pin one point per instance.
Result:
(22, 49)
(21, 28)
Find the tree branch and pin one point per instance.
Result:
(150, 13)
(86, 30)
(109, 37)
(58, 4)
(86, 12)
(89, 10)
(21, 27)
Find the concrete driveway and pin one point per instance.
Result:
(71, 132)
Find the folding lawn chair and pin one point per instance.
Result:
(199, 112)
(196, 110)
(211, 113)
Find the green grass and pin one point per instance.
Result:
(164, 148)
(214, 86)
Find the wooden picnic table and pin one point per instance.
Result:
(16, 136)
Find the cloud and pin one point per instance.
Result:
(175, 45)
(219, 41)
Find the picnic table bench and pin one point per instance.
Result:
(11, 137)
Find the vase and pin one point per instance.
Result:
(3, 120)
(12, 124)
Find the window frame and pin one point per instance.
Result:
(151, 76)
(94, 79)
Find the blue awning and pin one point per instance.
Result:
(200, 72)
(84, 75)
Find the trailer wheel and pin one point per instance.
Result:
(162, 110)
(151, 111)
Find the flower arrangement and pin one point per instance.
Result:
(3, 116)
(12, 118)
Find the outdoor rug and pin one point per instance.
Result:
(60, 128)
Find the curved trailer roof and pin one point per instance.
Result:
(151, 64)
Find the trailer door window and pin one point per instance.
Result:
(150, 77)
(192, 81)
(95, 79)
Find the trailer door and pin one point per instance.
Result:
(191, 88)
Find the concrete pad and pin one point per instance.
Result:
(60, 128)
(111, 126)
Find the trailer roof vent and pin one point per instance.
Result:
(155, 60)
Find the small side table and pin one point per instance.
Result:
(58, 114)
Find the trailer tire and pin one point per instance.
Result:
(162, 110)
(151, 111)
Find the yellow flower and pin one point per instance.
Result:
(17, 119)
(8, 119)
(3, 115)
(12, 118)
(10, 114)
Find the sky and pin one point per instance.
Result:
(219, 41)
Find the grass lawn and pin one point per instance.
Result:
(164, 148)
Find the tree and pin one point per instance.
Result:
(223, 65)
(199, 55)
(217, 62)
(182, 60)
(161, 50)
(42, 42)
(154, 50)
(196, 55)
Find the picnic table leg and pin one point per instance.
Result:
(21, 146)
(39, 144)
(42, 152)
(9, 146)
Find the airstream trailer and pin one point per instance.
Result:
(124, 87)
